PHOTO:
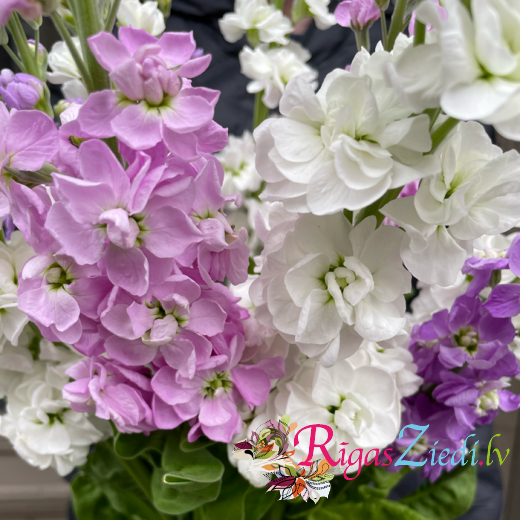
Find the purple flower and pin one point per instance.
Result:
(476, 337)
(481, 270)
(155, 101)
(23, 91)
(504, 301)
(357, 14)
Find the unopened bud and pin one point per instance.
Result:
(33, 178)
(4, 37)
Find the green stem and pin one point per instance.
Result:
(397, 24)
(441, 132)
(261, 112)
(37, 45)
(13, 56)
(89, 23)
(111, 20)
(64, 33)
(30, 66)
(384, 29)
(433, 114)
(420, 33)
(363, 39)
(374, 208)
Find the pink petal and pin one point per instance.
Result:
(81, 241)
(122, 230)
(135, 38)
(84, 200)
(96, 115)
(182, 356)
(138, 127)
(141, 318)
(188, 112)
(127, 268)
(31, 139)
(184, 146)
(206, 317)
(127, 78)
(194, 67)
(131, 353)
(160, 268)
(64, 307)
(211, 138)
(164, 384)
(35, 303)
(99, 164)
(176, 48)
(190, 409)
(254, 384)
(118, 322)
(108, 50)
(164, 415)
(89, 293)
(216, 411)
(170, 232)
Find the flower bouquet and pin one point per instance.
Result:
(201, 328)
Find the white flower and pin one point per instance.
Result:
(147, 16)
(329, 285)
(39, 423)
(397, 361)
(65, 70)
(259, 19)
(360, 404)
(13, 256)
(475, 193)
(416, 73)
(319, 10)
(238, 161)
(345, 146)
(481, 63)
(272, 68)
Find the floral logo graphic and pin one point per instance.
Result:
(267, 448)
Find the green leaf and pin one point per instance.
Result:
(258, 502)
(448, 497)
(231, 501)
(90, 503)
(181, 497)
(386, 480)
(201, 442)
(129, 446)
(196, 466)
(378, 509)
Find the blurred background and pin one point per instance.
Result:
(27, 493)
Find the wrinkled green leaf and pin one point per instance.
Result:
(377, 509)
(129, 446)
(181, 497)
(201, 442)
(258, 502)
(196, 466)
(448, 497)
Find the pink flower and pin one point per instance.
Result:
(210, 398)
(222, 252)
(112, 215)
(55, 291)
(27, 8)
(155, 102)
(115, 392)
(28, 139)
(357, 14)
(172, 323)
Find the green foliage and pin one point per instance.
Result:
(448, 497)
(374, 509)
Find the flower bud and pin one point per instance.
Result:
(23, 92)
(357, 14)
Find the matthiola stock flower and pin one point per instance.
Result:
(155, 101)
(259, 19)
(147, 16)
(329, 285)
(473, 194)
(344, 146)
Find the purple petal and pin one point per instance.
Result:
(138, 127)
(189, 112)
(96, 115)
(108, 50)
(504, 301)
(127, 268)
(206, 317)
(131, 353)
(253, 383)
